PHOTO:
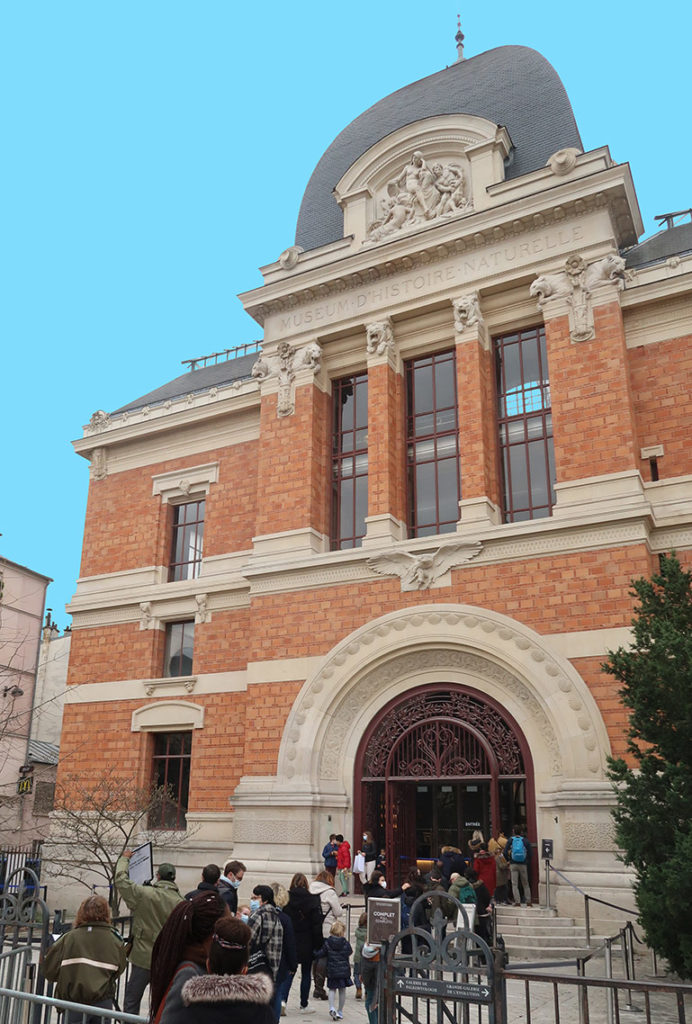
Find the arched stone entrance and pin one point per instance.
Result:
(436, 763)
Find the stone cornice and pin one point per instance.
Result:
(431, 245)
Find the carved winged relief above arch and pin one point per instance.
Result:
(428, 172)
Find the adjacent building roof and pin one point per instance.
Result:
(196, 380)
(669, 242)
(43, 753)
(512, 86)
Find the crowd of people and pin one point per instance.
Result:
(203, 954)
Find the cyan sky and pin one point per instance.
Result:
(155, 155)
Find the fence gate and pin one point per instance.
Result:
(23, 931)
(437, 971)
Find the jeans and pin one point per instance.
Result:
(305, 966)
(281, 990)
(342, 875)
(134, 990)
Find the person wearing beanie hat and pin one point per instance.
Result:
(369, 966)
(150, 906)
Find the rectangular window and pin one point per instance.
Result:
(432, 444)
(171, 772)
(349, 461)
(525, 425)
(179, 643)
(188, 535)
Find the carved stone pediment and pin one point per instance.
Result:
(427, 172)
(420, 193)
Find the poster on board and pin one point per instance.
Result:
(142, 864)
(384, 919)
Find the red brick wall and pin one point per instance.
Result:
(478, 435)
(661, 377)
(128, 527)
(292, 485)
(593, 418)
(386, 454)
(103, 654)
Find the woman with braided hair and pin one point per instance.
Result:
(228, 993)
(180, 953)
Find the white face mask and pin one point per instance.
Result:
(383, 883)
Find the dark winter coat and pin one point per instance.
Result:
(452, 861)
(329, 856)
(289, 958)
(370, 889)
(85, 963)
(229, 894)
(201, 889)
(338, 951)
(220, 998)
(305, 912)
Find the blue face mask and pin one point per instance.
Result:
(254, 905)
(245, 918)
(234, 882)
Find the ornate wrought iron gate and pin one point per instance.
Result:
(444, 974)
(442, 733)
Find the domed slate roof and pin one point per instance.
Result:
(512, 86)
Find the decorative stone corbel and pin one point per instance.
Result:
(202, 614)
(98, 422)
(280, 371)
(468, 319)
(146, 618)
(380, 344)
(575, 288)
(99, 464)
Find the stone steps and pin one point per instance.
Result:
(534, 933)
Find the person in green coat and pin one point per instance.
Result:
(150, 906)
(86, 961)
(461, 889)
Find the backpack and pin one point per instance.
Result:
(518, 850)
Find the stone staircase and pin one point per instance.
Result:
(535, 933)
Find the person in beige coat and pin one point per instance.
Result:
(323, 886)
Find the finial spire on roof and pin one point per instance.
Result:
(460, 39)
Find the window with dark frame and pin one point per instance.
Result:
(171, 773)
(525, 425)
(432, 444)
(180, 638)
(188, 537)
(349, 461)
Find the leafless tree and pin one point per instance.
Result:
(95, 819)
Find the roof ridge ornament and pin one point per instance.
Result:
(459, 37)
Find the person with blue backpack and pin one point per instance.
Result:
(517, 852)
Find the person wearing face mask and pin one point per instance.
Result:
(369, 852)
(243, 913)
(229, 882)
(267, 934)
(377, 886)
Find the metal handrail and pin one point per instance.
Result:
(63, 1004)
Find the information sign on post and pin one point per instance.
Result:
(384, 919)
(546, 849)
(142, 864)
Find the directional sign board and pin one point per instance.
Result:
(443, 989)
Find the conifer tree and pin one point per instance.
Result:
(653, 815)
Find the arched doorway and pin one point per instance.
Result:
(435, 764)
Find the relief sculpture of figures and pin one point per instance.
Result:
(421, 193)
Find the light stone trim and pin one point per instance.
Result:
(162, 608)
(187, 484)
(500, 656)
(169, 683)
(654, 451)
(589, 835)
(588, 643)
(168, 716)
(137, 689)
(264, 830)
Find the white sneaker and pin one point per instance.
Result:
(283, 1009)
(333, 1014)
(339, 1015)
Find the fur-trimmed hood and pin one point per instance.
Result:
(228, 988)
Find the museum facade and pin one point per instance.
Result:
(366, 575)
